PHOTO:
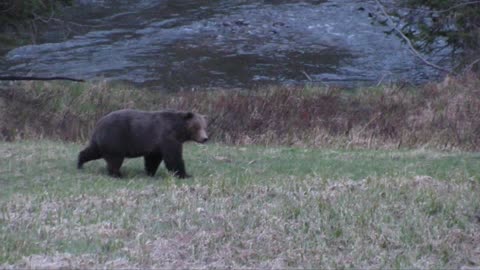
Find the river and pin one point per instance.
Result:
(190, 44)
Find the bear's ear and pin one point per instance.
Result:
(187, 115)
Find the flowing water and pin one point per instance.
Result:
(173, 44)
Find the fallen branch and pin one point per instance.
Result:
(471, 65)
(409, 42)
(29, 78)
(306, 75)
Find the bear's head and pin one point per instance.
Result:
(196, 126)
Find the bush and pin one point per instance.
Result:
(14, 12)
(456, 22)
(443, 115)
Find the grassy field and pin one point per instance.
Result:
(252, 206)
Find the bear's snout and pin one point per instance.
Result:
(202, 136)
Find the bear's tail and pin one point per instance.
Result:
(90, 153)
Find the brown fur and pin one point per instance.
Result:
(155, 135)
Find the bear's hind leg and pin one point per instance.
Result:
(113, 166)
(88, 154)
(151, 163)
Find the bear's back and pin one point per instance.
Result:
(134, 132)
(123, 131)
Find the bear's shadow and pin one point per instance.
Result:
(128, 171)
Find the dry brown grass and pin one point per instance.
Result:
(442, 116)
(307, 223)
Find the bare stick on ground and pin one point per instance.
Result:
(34, 78)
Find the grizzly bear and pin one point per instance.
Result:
(156, 136)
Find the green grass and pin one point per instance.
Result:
(247, 206)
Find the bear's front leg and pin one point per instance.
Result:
(177, 167)
(174, 161)
(151, 163)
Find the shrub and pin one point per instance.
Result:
(443, 115)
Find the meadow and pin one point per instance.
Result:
(247, 206)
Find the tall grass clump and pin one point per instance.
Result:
(442, 116)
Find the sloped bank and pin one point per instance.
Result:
(441, 116)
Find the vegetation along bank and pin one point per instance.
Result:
(442, 115)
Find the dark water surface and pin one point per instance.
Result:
(197, 43)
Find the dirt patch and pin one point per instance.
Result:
(59, 261)
(428, 182)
